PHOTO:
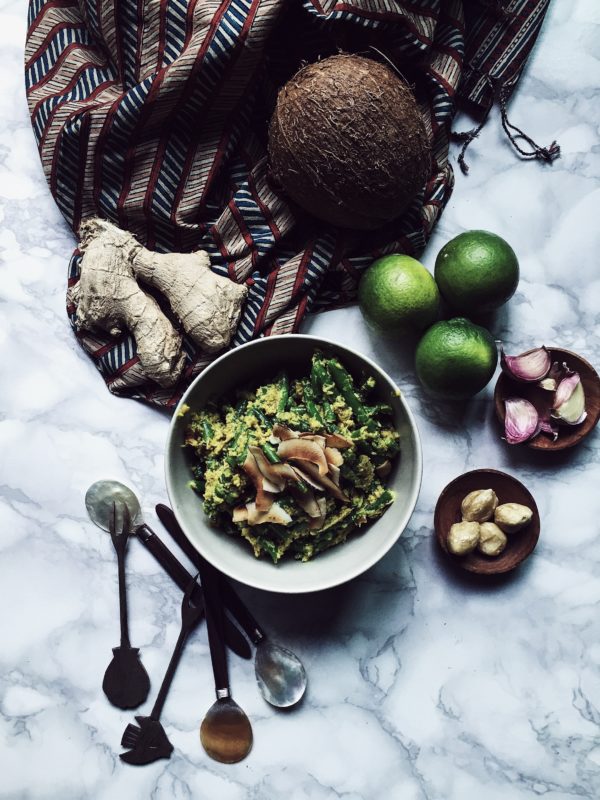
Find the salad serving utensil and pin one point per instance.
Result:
(147, 741)
(279, 673)
(98, 500)
(126, 683)
(225, 732)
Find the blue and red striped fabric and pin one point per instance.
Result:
(154, 113)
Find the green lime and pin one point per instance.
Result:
(456, 358)
(476, 272)
(397, 294)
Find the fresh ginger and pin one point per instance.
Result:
(108, 297)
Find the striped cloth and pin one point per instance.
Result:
(153, 114)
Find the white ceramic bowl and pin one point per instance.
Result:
(261, 360)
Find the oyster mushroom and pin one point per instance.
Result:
(264, 499)
(304, 450)
(275, 514)
(337, 440)
(312, 471)
(283, 433)
(333, 456)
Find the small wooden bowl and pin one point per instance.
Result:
(568, 435)
(509, 490)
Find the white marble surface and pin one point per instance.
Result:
(422, 685)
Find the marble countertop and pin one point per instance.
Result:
(424, 685)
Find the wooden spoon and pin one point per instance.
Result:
(225, 733)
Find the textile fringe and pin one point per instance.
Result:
(514, 134)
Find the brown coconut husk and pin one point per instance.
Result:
(347, 142)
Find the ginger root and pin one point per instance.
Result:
(109, 298)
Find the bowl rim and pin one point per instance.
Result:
(376, 555)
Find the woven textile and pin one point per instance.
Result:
(154, 114)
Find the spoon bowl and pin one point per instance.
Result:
(101, 496)
(226, 733)
(279, 673)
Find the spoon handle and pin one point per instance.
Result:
(157, 548)
(214, 623)
(241, 613)
(231, 599)
(190, 617)
(120, 540)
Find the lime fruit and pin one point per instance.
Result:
(476, 272)
(456, 358)
(397, 294)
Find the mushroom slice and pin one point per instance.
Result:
(275, 514)
(307, 501)
(314, 437)
(283, 433)
(271, 487)
(337, 440)
(264, 500)
(301, 475)
(304, 450)
(333, 456)
(312, 471)
(335, 474)
(383, 470)
(240, 514)
(317, 523)
(269, 471)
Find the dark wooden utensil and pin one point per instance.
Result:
(225, 733)
(509, 490)
(126, 683)
(147, 741)
(235, 640)
(568, 435)
(279, 673)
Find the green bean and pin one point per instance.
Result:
(284, 392)
(329, 414)
(261, 417)
(382, 501)
(309, 402)
(343, 381)
(207, 430)
(271, 453)
(379, 408)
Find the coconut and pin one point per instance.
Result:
(347, 142)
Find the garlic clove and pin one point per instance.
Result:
(521, 421)
(549, 384)
(531, 366)
(546, 426)
(569, 401)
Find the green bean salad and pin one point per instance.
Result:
(293, 466)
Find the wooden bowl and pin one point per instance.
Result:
(568, 435)
(509, 490)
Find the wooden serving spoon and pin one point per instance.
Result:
(225, 733)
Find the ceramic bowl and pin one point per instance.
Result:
(520, 545)
(258, 361)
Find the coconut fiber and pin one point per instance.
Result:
(155, 115)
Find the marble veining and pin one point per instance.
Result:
(424, 684)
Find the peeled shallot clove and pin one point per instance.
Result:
(521, 420)
(531, 366)
(569, 401)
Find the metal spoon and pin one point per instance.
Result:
(279, 673)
